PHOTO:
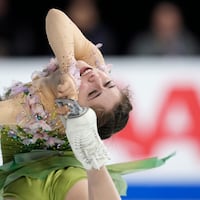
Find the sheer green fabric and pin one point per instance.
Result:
(38, 163)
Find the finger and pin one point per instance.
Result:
(73, 95)
(62, 87)
(63, 110)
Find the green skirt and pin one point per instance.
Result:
(40, 168)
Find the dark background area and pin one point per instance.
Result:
(125, 18)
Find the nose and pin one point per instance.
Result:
(91, 78)
(95, 80)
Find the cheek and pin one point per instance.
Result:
(82, 98)
(83, 90)
(83, 85)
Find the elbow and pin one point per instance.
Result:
(53, 13)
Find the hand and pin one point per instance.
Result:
(70, 81)
(67, 88)
(85, 141)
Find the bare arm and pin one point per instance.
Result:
(89, 149)
(9, 110)
(101, 186)
(68, 42)
(98, 186)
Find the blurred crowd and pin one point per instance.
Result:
(22, 27)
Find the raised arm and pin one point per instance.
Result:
(68, 43)
(89, 149)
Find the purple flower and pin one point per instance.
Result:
(105, 68)
(52, 141)
(16, 88)
(35, 126)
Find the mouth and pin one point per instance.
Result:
(85, 70)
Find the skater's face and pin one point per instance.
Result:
(97, 89)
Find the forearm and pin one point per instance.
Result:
(101, 186)
(60, 36)
(68, 42)
(89, 149)
(92, 55)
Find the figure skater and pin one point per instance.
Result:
(52, 127)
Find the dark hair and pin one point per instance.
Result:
(110, 123)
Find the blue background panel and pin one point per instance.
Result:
(163, 192)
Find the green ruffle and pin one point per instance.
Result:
(119, 169)
(20, 160)
(39, 163)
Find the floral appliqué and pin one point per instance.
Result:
(36, 132)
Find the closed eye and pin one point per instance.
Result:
(109, 84)
(94, 94)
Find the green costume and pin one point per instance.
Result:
(49, 174)
(38, 162)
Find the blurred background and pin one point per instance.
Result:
(121, 27)
(154, 47)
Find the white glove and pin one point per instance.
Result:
(85, 141)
